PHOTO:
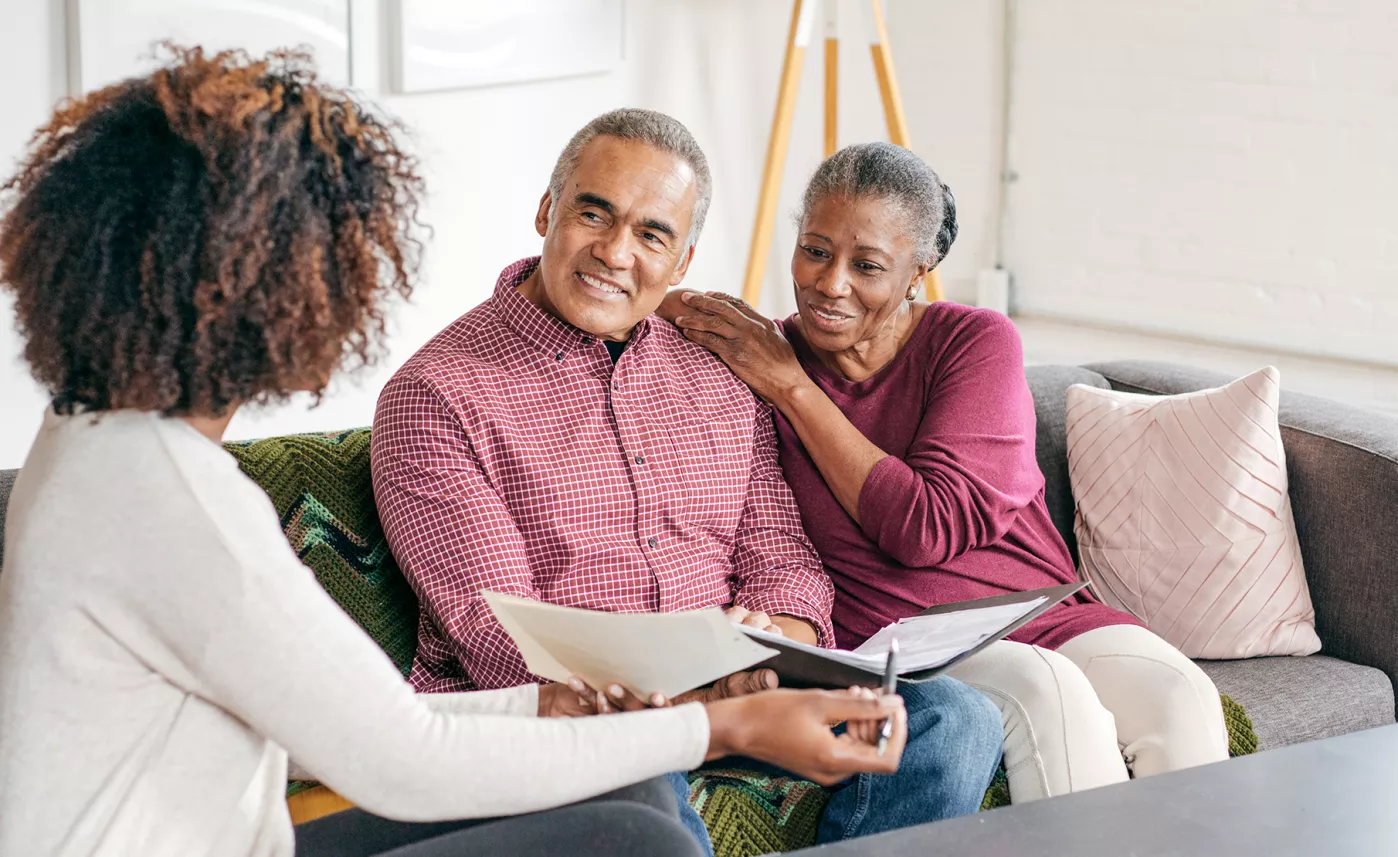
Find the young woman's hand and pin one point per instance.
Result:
(792, 730)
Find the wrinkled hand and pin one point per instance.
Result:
(792, 730)
(576, 699)
(752, 346)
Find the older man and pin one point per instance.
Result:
(559, 442)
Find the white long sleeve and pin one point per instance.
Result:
(160, 644)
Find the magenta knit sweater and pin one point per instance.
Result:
(956, 511)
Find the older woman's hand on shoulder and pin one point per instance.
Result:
(753, 346)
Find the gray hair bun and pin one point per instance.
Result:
(947, 234)
(894, 174)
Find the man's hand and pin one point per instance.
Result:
(788, 626)
(752, 618)
(737, 684)
(576, 699)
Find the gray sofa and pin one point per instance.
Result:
(1344, 487)
(1343, 467)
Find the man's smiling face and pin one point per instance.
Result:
(617, 239)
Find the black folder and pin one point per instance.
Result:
(798, 667)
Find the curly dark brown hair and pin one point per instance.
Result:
(225, 230)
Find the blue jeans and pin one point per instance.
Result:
(689, 817)
(955, 735)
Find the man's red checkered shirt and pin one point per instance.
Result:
(509, 454)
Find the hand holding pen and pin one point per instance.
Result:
(890, 685)
(881, 737)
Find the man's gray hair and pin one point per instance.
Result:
(889, 172)
(654, 129)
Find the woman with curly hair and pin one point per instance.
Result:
(227, 231)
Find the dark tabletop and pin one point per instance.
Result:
(1334, 798)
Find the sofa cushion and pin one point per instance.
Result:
(1291, 700)
(322, 489)
(1342, 464)
(1184, 520)
(1049, 386)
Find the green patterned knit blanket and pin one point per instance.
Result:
(321, 487)
(322, 491)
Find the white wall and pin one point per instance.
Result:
(487, 154)
(1223, 169)
(1220, 169)
(33, 63)
(716, 66)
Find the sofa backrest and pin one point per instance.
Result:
(1049, 385)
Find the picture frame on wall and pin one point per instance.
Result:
(111, 40)
(453, 44)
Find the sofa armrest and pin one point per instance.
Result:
(1342, 463)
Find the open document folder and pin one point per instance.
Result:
(646, 653)
(670, 653)
(929, 643)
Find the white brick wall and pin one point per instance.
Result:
(1225, 169)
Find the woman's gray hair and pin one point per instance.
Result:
(654, 129)
(892, 173)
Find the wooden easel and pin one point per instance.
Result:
(798, 39)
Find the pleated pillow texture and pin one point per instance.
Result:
(1183, 518)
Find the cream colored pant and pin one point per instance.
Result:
(1110, 703)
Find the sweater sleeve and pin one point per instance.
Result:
(970, 469)
(236, 619)
(519, 701)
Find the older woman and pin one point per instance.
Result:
(225, 231)
(907, 434)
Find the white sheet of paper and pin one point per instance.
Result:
(926, 642)
(647, 653)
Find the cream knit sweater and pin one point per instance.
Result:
(162, 649)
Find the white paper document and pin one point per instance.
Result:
(927, 642)
(647, 653)
(924, 642)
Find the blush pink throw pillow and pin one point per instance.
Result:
(1183, 518)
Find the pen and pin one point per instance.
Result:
(890, 685)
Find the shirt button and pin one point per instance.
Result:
(640, 459)
(653, 542)
(558, 356)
